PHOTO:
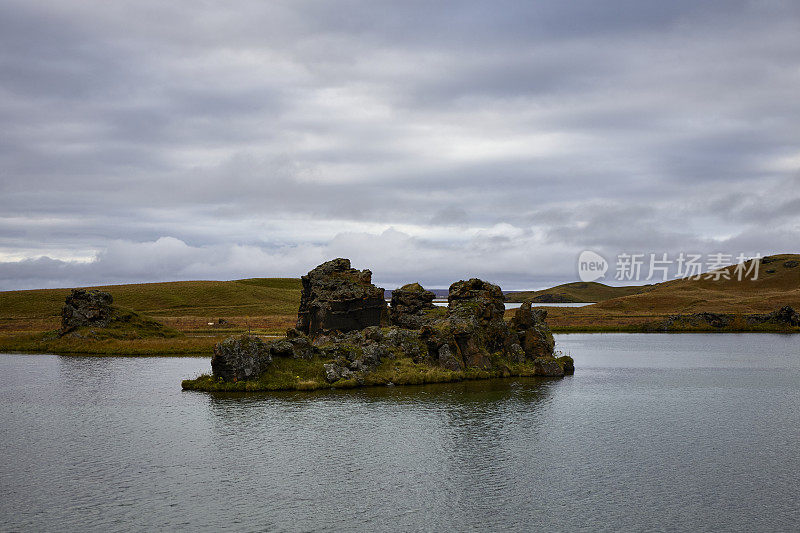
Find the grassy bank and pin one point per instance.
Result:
(38, 343)
(300, 374)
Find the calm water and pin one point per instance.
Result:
(653, 432)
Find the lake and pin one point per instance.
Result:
(684, 432)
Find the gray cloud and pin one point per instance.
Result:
(491, 138)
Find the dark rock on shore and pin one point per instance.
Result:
(535, 337)
(552, 298)
(238, 358)
(86, 308)
(409, 304)
(473, 329)
(785, 316)
(714, 320)
(547, 366)
(337, 297)
(567, 364)
(247, 356)
(91, 315)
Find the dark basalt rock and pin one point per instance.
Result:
(407, 342)
(785, 316)
(335, 372)
(358, 352)
(552, 298)
(448, 360)
(247, 356)
(91, 315)
(714, 320)
(535, 337)
(409, 304)
(336, 297)
(477, 299)
(475, 329)
(86, 308)
(238, 358)
(340, 317)
(567, 363)
(547, 366)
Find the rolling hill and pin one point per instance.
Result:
(576, 292)
(180, 303)
(778, 284)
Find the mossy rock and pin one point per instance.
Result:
(412, 287)
(125, 324)
(567, 364)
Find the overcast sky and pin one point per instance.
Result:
(430, 141)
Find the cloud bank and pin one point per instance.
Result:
(427, 141)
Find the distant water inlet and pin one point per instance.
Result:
(516, 305)
(692, 432)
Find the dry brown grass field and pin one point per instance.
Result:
(268, 306)
(262, 306)
(262, 303)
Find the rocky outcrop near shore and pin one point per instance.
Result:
(342, 336)
(531, 328)
(86, 308)
(695, 320)
(552, 298)
(92, 315)
(247, 357)
(238, 358)
(336, 297)
(785, 317)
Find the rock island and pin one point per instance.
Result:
(347, 336)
